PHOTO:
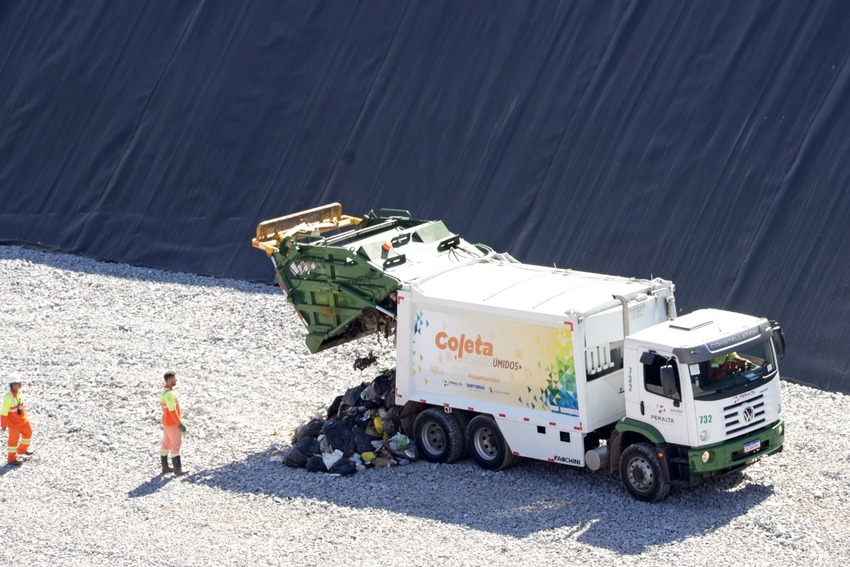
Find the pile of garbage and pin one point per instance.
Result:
(360, 431)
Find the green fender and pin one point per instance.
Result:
(641, 428)
(628, 425)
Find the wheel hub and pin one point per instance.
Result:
(484, 444)
(640, 474)
(435, 438)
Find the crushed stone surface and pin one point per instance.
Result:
(92, 341)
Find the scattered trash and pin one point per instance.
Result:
(363, 362)
(360, 431)
(330, 459)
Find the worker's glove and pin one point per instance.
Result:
(181, 427)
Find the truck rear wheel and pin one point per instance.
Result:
(487, 445)
(641, 472)
(438, 436)
(463, 417)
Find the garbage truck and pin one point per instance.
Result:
(497, 359)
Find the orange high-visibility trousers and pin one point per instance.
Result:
(18, 432)
(172, 438)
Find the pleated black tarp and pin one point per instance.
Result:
(705, 142)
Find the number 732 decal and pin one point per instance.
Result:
(705, 419)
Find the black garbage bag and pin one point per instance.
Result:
(338, 433)
(309, 446)
(352, 395)
(362, 440)
(362, 419)
(381, 386)
(343, 467)
(316, 464)
(293, 457)
(390, 427)
(333, 410)
(310, 429)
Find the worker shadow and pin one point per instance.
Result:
(150, 486)
(5, 469)
(532, 497)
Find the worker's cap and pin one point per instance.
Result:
(13, 379)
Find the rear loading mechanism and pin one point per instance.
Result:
(340, 272)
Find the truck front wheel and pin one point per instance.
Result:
(438, 436)
(641, 472)
(486, 445)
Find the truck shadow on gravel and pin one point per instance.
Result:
(526, 499)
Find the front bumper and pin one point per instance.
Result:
(731, 455)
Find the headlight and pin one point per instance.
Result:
(782, 429)
(703, 435)
(706, 456)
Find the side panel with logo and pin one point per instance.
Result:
(490, 361)
(664, 412)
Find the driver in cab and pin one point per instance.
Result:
(721, 366)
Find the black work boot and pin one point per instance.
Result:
(165, 467)
(178, 468)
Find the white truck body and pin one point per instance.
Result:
(539, 349)
(547, 353)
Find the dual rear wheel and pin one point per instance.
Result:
(487, 445)
(444, 437)
(438, 436)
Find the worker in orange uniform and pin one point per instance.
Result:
(14, 417)
(172, 426)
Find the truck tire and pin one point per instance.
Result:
(486, 444)
(438, 436)
(641, 472)
(463, 417)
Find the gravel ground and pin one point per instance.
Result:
(93, 340)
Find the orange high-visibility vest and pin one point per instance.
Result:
(170, 407)
(13, 412)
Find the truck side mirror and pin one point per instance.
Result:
(778, 338)
(668, 382)
(647, 358)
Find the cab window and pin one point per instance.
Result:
(652, 364)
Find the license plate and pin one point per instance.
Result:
(752, 446)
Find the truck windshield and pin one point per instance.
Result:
(738, 370)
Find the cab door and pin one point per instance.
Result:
(660, 394)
